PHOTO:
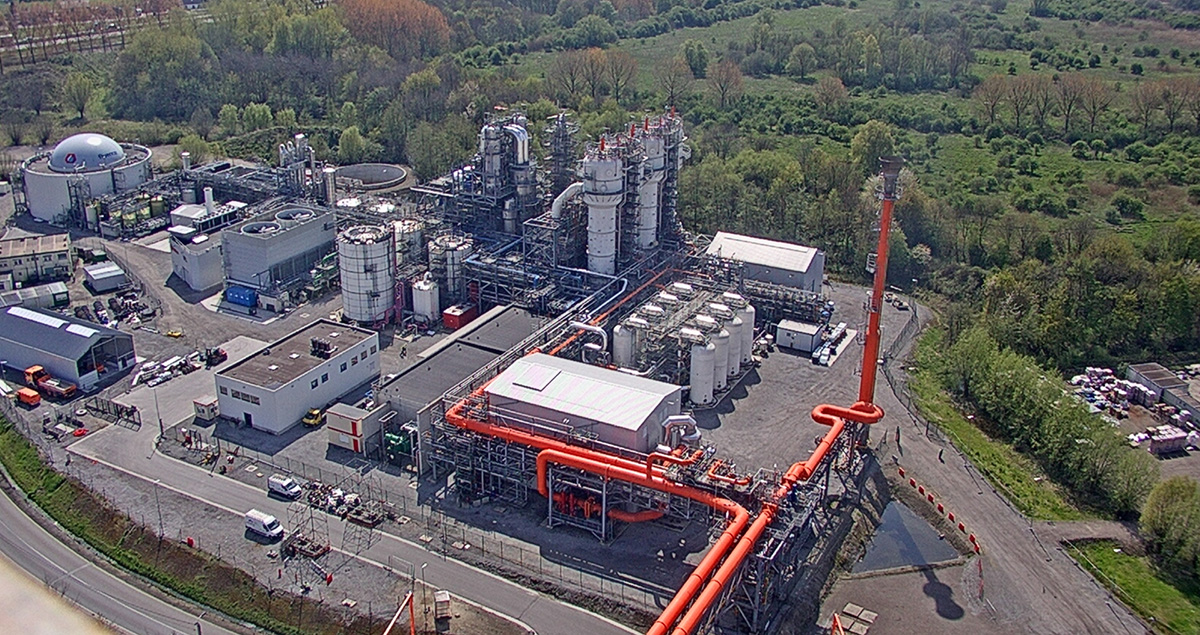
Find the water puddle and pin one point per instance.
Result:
(903, 539)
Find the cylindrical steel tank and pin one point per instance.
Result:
(720, 342)
(447, 262)
(702, 369)
(410, 241)
(426, 301)
(623, 337)
(746, 313)
(734, 327)
(648, 192)
(603, 189)
(367, 262)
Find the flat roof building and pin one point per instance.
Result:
(772, 261)
(44, 296)
(103, 277)
(36, 258)
(580, 399)
(312, 367)
(68, 348)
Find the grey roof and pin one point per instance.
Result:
(290, 357)
(760, 251)
(17, 297)
(800, 327)
(57, 334)
(102, 270)
(503, 331)
(86, 151)
(33, 245)
(582, 390)
(1159, 374)
(430, 378)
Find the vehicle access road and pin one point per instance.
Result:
(98, 591)
(132, 452)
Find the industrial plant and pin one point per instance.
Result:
(588, 329)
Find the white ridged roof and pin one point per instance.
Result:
(760, 251)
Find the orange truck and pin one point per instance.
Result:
(29, 397)
(37, 377)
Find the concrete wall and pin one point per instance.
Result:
(199, 268)
(258, 261)
(52, 264)
(280, 409)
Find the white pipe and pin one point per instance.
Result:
(186, 158)
(593, 329)
(209, 205)
(572, 190)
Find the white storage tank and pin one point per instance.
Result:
(367, 261)
(734, 327)
(648, 192)
(746, 313)
(83, 167)
(426, 301)
(447, 262)
(720, 341)
(702, 369)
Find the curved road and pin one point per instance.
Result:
(30, 547)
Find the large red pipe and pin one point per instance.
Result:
(599, 463)
(870, 361)
(833, 416)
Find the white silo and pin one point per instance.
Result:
(746, 313)
(367, 260)
(735, 327)
(655, 167)
(603, 189)
(702, 369)
(720, 342)
(426, 300)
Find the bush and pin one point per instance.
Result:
(1128, 206)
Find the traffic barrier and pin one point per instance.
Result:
(942, 510)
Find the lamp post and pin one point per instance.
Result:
(161, 431)
(424, 599)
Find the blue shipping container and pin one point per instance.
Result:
(242, 296)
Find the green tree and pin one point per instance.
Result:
(285, 118)
(163, 73)
(348, 117)
(352, 148)
(802, 60)
(257, 117)
(873, 140)
(229, 119)
(200, 149)
(696, 57)
(202, 121)
(77, 91)
(594, 30)
(1170, 524)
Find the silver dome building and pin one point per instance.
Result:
(80, 168)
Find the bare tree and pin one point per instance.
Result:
(1144, 100)
(1192, 100)
(725, 80)
(1041, 89)
(595, 70)
(621, 71)
(1019, 97)
(675, 79)
(1068, 95)
(1173, 94)
(565, 75)
(1097, 97)
(989, 94)
(830, 93)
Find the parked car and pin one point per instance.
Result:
(284, 486)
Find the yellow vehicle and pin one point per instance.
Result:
(314, 417)
(176, 333)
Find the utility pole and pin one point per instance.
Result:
(161, 431)
(424, 599)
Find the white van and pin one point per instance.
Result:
(283, 486)
(263, 524)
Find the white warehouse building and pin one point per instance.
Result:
(572, 397)
(271, 389)
(772, 261)
(82, 167)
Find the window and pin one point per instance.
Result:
(354, 361)
(373, 349)
(62, 256)
(237, 394)
(254, 400)
(324, 377)
(224, 390)
(343, 368)
(47, 258)
(314, 383)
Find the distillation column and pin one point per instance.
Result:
(655, 167)
(603, 190)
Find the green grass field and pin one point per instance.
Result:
(1135, 581)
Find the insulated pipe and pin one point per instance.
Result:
(890, 171)
(597, 463)
(571, 190)
(567, 342)
(593, 329)
(721, 478)
(670, 458)
(209, 205)
(676, 421)
(635, 517)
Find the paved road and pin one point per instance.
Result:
(93, 588)
(1030, 585)
(131, 451)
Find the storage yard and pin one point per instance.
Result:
(555, 382)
